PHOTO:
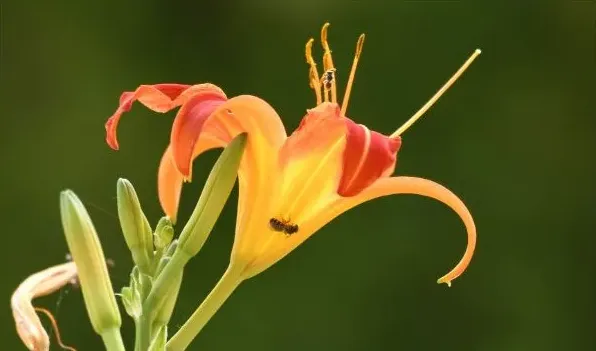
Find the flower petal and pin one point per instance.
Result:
(188, 126)
(28, 325)
(240, 114)
(170, 180)
(310, 162)
(368, 155)
(157, 97)
(318, 129)
(394, 186)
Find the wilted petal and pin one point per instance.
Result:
(43, 283)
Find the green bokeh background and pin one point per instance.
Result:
(514, 138)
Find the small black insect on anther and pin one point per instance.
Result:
(328, 78)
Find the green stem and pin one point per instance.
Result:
(144, 332)
(137, 335)
(220, 293)
(113, 340)
(160, 288)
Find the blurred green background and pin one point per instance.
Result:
(514, 138)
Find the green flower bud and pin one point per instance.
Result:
(166, 257)
(217, 189)
(131, 299)
(135, 226)
(164, 233)
(88, 256)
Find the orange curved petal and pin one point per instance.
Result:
(157, 97)
(188, 126)
(405, 185)
(266, 134)
(241, 114)
(170, 180)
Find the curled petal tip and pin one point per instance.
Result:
(111, 138)
(443, 280)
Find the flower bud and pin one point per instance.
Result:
(217, 189)
(88, 256)
(135, 226)
(164, 233)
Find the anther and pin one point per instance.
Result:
(346, 99)
(313, 74)
(328, 62)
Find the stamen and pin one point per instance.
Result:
(346, 99)
(55, 326)
(328, 62)
(437, 95)
(313, 74)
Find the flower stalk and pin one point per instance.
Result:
(193, 326)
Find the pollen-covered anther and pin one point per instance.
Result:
(313, 74)
(328, 66)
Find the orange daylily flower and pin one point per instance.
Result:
(290, 186)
